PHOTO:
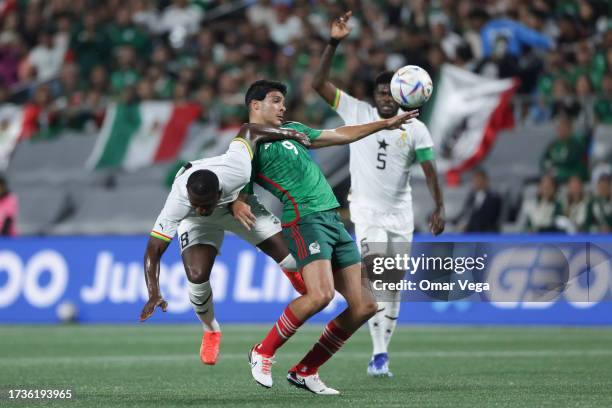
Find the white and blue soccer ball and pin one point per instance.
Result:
(411, 86)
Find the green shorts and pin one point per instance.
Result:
(321, 235)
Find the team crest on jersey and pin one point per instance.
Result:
(314, 248)
(403, 139)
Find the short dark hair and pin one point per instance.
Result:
(259, 89)
(203, 183)
(383, 78)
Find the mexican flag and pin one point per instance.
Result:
(138, 135)
(464, 117)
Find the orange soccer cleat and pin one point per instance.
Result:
(209, 350)
(296, 280)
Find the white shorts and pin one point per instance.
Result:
(392, 223)
(367, 234)
(211, 230)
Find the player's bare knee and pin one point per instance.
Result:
(368, 309)
(196, 275)
(319, 299)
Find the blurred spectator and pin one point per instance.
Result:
(603, 104)
(46, 57)
(541, 214)
(599, 217)
(9, 210)
(565, 156)
(261, 13)
(123, 32)
(285, 27)
(482, 208)
(575, 204)
(126, 73)
(499, 35)
(90, 46)
(11, 53)
(179, 20)
(98, 79)
(145, 15)
(585, 97)
(145, 90)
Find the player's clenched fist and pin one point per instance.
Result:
(152, 304)
(340, 27)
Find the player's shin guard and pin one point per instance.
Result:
(200, 295)
(329, 343)
(285, 327)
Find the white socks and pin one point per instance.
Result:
(383, 323)
(201, 298)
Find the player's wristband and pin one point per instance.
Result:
(333, 42)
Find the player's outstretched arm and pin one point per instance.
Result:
(155, 249)
(320, 82)
(436, 220)
(255, 133)
(353, 133)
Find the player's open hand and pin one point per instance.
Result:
(242, 212)
(340, 27)
(396, 122)
(153, 303)
(436, 222)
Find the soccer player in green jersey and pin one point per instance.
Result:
(314, 233)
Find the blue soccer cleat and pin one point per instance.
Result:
(379, 366)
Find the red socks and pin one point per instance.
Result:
(330, 341)
(295, 277)
(285, 327)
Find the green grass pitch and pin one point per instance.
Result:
(158, 366)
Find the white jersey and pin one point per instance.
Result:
(233, 169)
(380, 163)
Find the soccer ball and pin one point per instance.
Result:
(411, 86)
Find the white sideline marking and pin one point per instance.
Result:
(154, 358)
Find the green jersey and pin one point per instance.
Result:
(286, 169)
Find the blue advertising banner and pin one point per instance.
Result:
(103, 278)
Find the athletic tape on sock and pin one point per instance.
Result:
(289, 264)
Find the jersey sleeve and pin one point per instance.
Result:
(423, 144)
(300, 127)
(174, 211)
(237, 167)
(347, 107)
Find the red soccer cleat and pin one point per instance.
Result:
(296, 280)
(209, 350)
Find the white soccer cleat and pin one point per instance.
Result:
(261, 368)
(311, 383)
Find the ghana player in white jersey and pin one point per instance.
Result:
(380, 197)
(198, 209)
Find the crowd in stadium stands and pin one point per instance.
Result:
(65, 59)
